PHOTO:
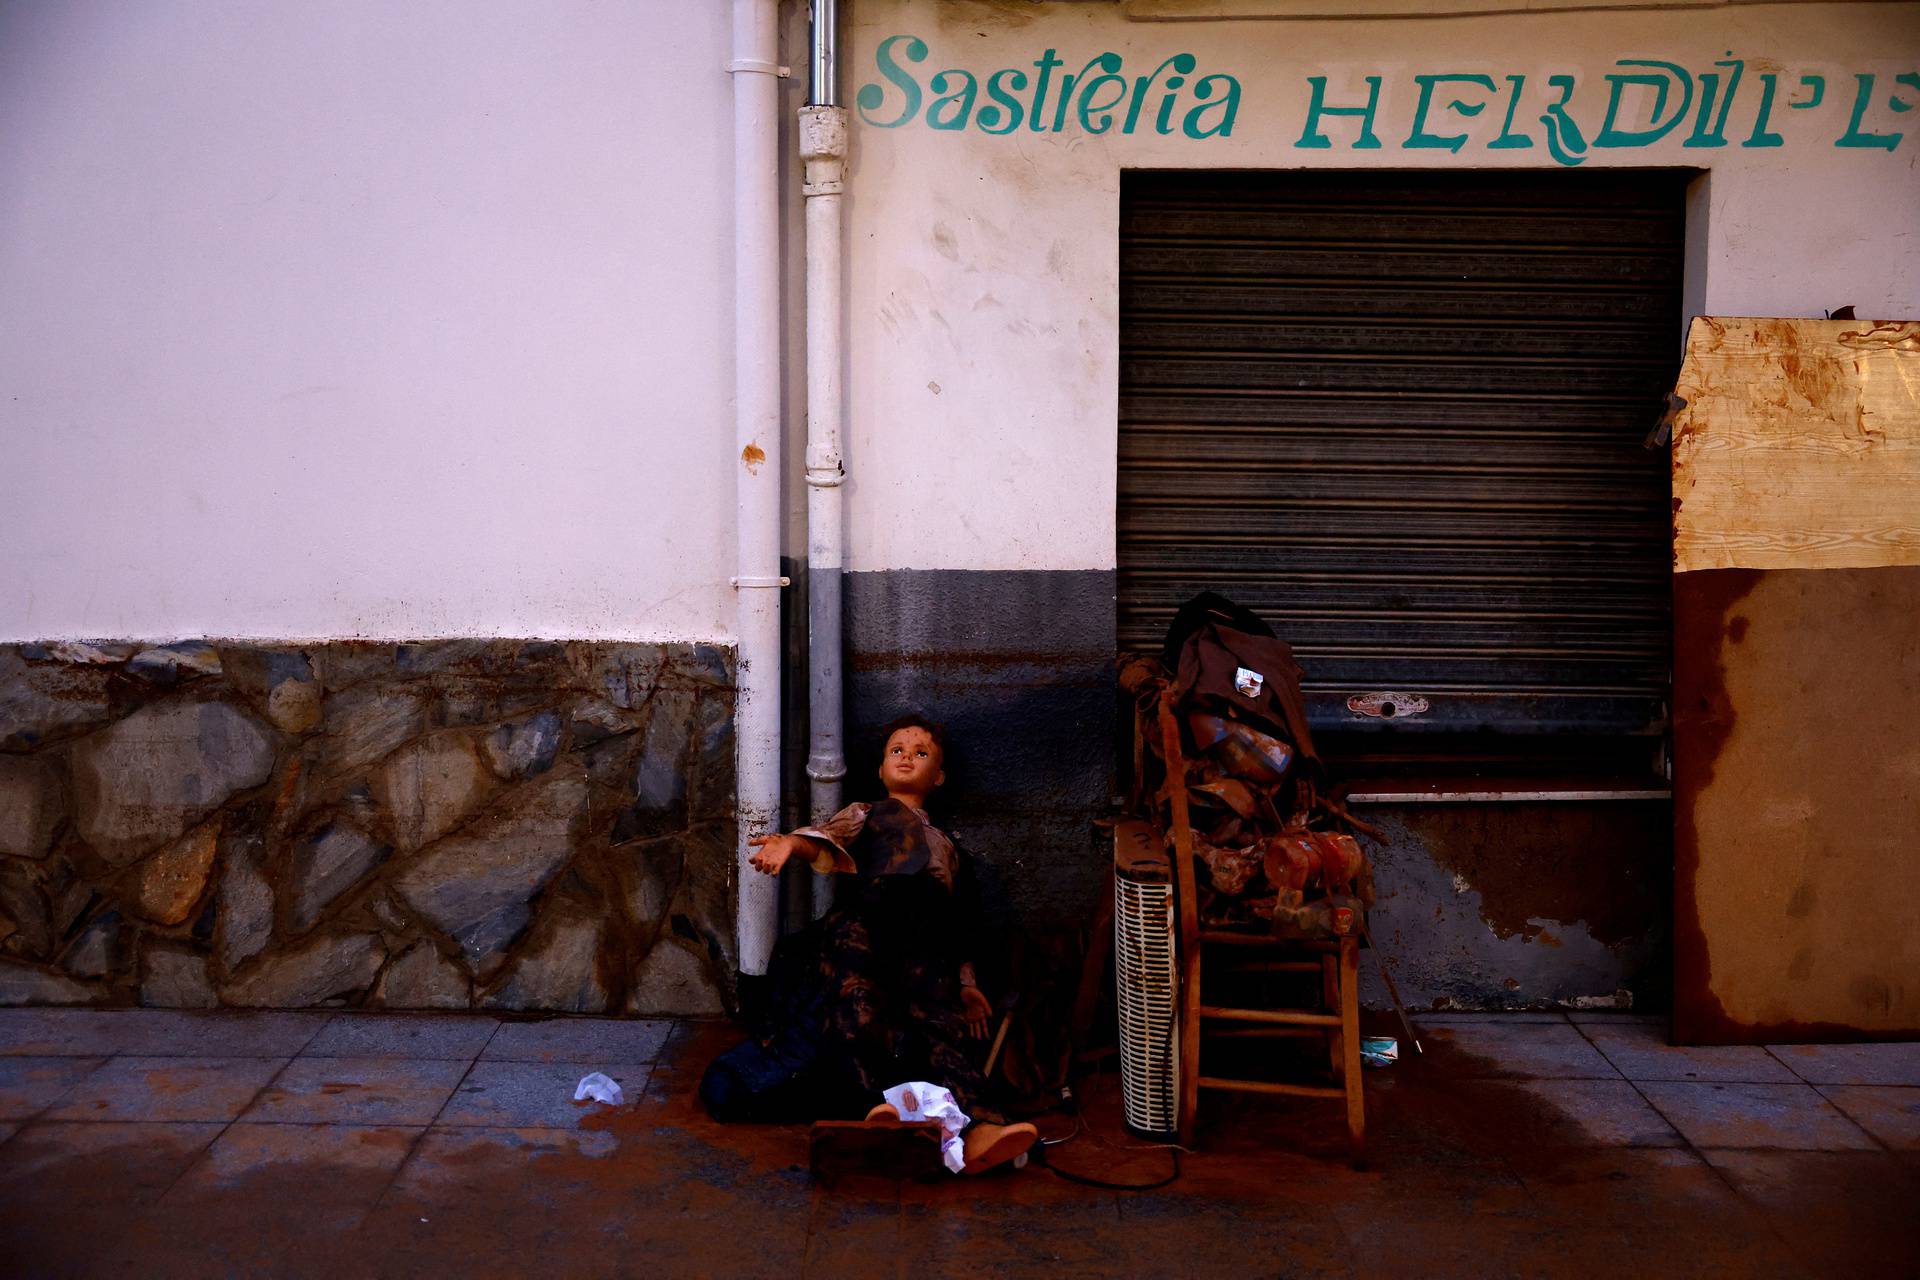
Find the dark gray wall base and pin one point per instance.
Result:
(1019, 667)
(1482, 906)
(448, 824)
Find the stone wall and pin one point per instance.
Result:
(450, 824)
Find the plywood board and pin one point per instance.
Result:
(1798, 446)
(1796, 804)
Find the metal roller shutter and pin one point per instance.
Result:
(1400, 415)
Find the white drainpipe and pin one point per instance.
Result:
(756, 306)
(823, 149)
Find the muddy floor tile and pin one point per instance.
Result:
(68, 1192)
(318, 1177)
(1522, 1050)
(1641, 1052)
(1642, 1192)
(1841, 1213)
(167, 1089)
(1607, 1113)
(28, 1085)
(1892, 1064)
(359, 1091)
(1888, 1112)
(1173, 1232)
(223, 1033)
(1455, 1234)
(535, 1094)
(227, 1033)
(1008, 1221)
(579, 1040)
(41, 1032)
(402, 1035)
(1785, 1116)
(596, 1202)
(849, 1234)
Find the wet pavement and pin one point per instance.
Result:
(364, 1144)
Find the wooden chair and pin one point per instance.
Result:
(1337, 961)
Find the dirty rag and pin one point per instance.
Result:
(598, 1087)
(917, 1100)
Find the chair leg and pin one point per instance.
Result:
(1350, 1047)
(1330, 1002)
(1189, 1043)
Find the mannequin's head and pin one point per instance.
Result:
(913, 761)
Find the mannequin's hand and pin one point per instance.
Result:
(978, 1010)
(774, 852)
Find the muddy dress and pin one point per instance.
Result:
(869, 995)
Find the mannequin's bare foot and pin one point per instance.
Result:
(885, 1111)
(987, 1145)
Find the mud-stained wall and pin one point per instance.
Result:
(1796, 657)
(1797, 787)
(1523, 905)
(448, 825)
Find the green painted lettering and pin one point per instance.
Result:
(1107, 62)
(1004, 103)
(1184, 63)
(1565, 143)
(1046, 62)
(1862, 99)
(1508, 139)
(1312, 138)
(1163, 121)
(960, 99)
(1761, 135)
(1420, 138)
(1097, 117)
(1709, 91)
(1228, 105)
(1611, 135)
(870, 97)
(1819, 86)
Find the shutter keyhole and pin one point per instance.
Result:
(1386, 709)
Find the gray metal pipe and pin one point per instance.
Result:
(823, 153)
(823, 84)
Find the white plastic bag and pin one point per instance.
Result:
(598, 1087)
(917, 1100)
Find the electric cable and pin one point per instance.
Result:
(1101, 1183)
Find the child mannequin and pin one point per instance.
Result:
(897, 954)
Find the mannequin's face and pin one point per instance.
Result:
(911, 762)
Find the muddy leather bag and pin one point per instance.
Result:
(1248, 675)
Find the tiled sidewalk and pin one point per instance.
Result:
(351, 1144)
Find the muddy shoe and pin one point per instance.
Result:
(988, 1145)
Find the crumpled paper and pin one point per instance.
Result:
(598, 1087)
(917, 1100)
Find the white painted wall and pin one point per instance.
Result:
(984, 285)
(390, 318)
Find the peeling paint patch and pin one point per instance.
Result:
(753, 455)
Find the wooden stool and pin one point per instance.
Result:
(1337, 1021)
(1338, 962)
(1141, 858)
